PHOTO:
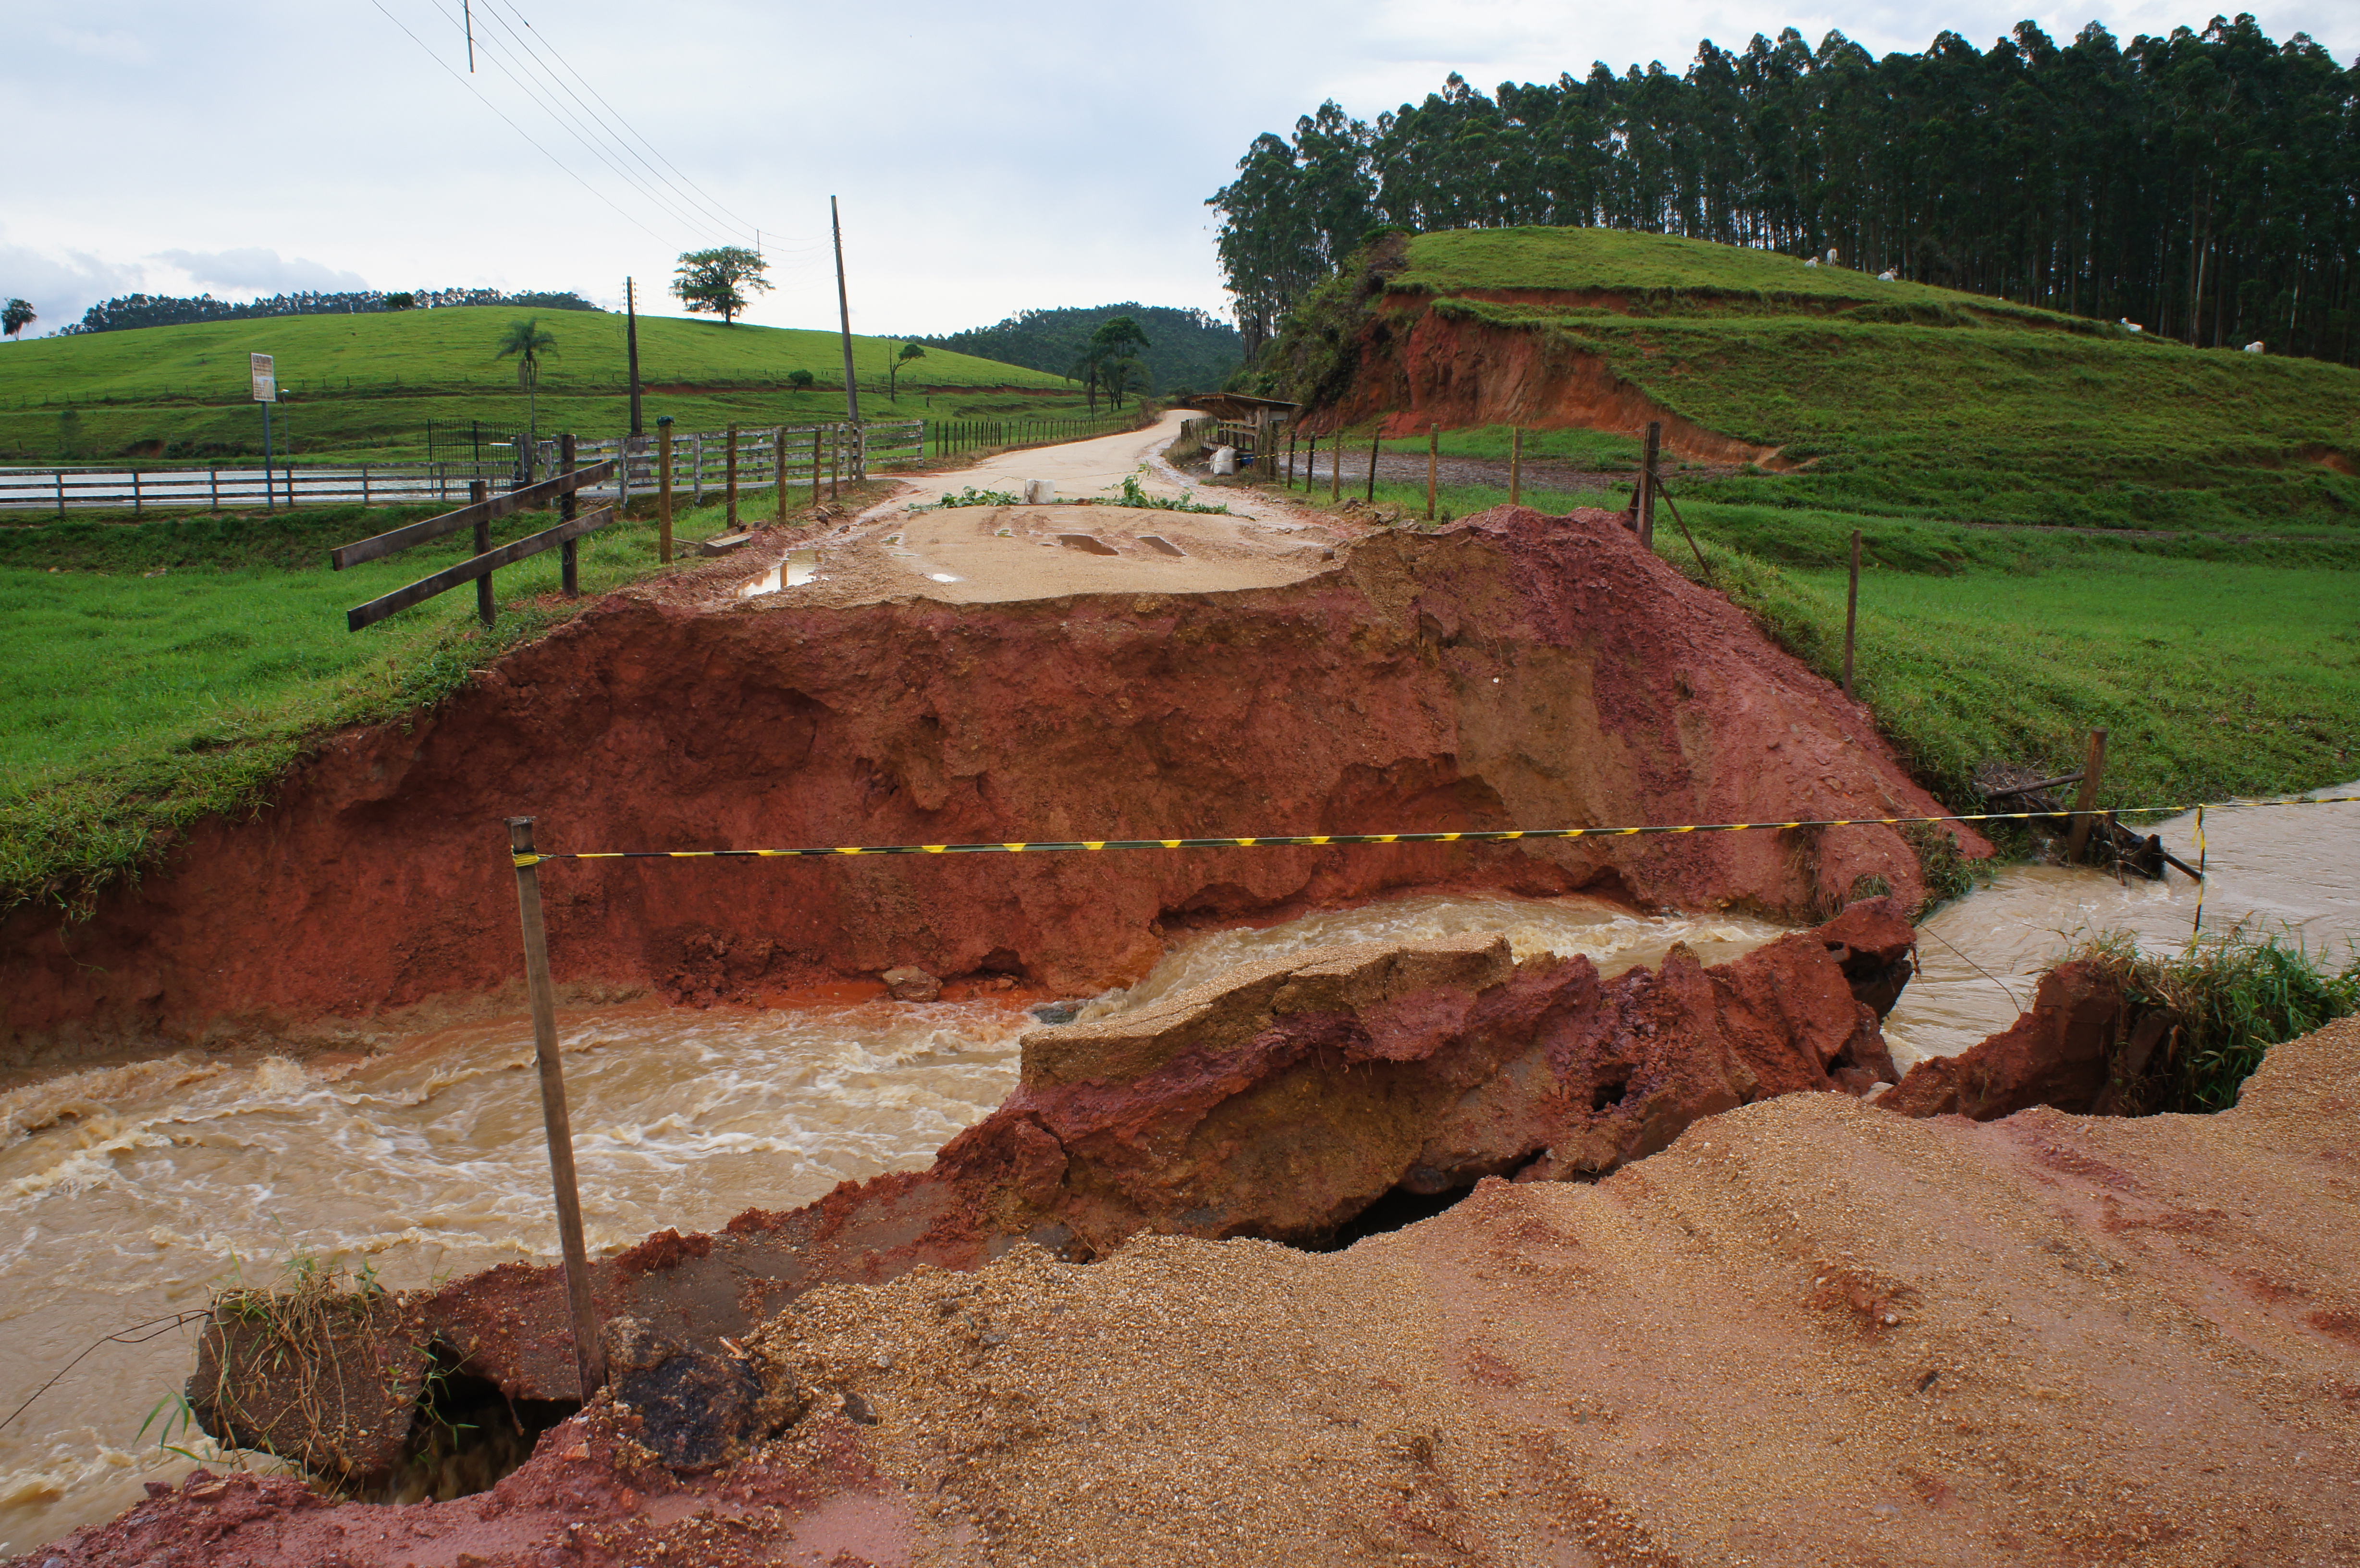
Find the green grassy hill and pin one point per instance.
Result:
(1896, 399)
(363, 387)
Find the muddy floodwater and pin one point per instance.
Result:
(130, 1192)
(2293, 870)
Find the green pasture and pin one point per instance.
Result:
(364, 387)
(153, 674)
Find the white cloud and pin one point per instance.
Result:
(254, 269)
(117, 46)
(61, 284)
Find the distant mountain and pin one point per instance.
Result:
(165, 311)
(1187, 348)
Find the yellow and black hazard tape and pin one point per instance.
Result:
(1322, 841)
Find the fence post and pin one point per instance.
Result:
(479, 492)
(1375, 441)
(697, 469)
(663, 487)
(834, 459)
(212, 487)
(729, 471)
(1336, 467)
(135, 491)
(623, 477)
(1648, 484)
(1433, 465)
(815, 435)
(1852, 609)
(1517, 465)
(589, 1360)
(2078, 838)
(570, 552)
(1290, 456)
(779, 463)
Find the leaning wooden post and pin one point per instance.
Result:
(1433, 465)
(479, 492)
(1852, 609)
(569, 554)
(779, 461)
(663, 488)
(1375, 441)
(1517, 465)
(1648, 484)
(589, 1360)
(729, 471)
(2078, 838)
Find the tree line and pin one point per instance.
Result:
(2205, 185)
(1184, 348)
(128, 310)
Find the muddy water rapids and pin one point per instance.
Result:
(128, 1192)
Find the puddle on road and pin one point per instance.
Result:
(799, 568)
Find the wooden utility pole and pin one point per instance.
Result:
(632, 339)
(479, 492)
(589, 1358)
(1516, 466)
(729, 471)
(570, 552)
(663, 488)
(844, 310)
(1648, 484)
(1433, 465)
(2077, 838)
(1852, 609)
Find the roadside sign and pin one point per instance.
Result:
(265, 382)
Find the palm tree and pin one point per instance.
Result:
(528, 341)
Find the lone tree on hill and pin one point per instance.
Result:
(1111, 361)
(800, 380)
(716, 281)
(895, 367)
(16, 315)
(526, 341)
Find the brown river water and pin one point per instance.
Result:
(130, 1192)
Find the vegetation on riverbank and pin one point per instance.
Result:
(2230, 997)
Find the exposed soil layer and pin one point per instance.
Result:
(1513, 671)
(1418, 365)
(1283, 1101)
(1807, 1332)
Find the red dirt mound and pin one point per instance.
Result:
(1513, 671)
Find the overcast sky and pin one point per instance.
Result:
(989, 158)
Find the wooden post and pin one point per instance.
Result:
(1375, 441)
(479, 492)
(1517, 465)
(729, 468)
(1648, 484)
(569, 554)
(2078, 838)
(815, 467)
(1336, 467)
(1433, 465)
(135, 491)
(1852, 610)
(697, 469)
(778, 462)
(663, 487)
(589, 1358)
(1290, 456)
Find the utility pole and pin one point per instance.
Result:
(631, 336)
(844, 309)
(468, 10)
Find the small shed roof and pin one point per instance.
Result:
(1238, 406)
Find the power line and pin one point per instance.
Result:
(517, 128)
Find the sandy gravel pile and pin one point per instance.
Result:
(1810, 1332)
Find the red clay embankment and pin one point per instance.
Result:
(1418, 366)
(1513, 671)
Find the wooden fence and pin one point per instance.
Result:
(967, 435)
(480, 513)
(214, 489)
(700, 459)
